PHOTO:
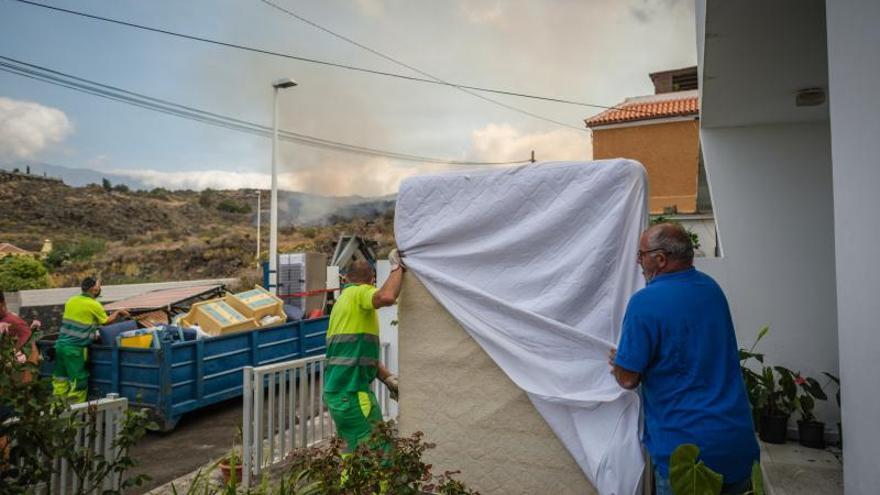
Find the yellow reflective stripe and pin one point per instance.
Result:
(366, 405)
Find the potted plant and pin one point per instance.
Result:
(777, 400)
(836, 381)
(811, 433)
(753, 379)
(230, 465)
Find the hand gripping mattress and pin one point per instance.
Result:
(536, 264)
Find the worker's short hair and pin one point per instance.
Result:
(673, 239)
(360, 271)
(2, 297)
(88, 283)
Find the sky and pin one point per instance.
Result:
(594, 51)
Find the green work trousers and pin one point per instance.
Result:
(355, 414)
(70, 378)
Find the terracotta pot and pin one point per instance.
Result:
(773, 428)
(226, 470)
(811, 434)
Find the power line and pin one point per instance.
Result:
(332, 64)
(414, 69)
(121, 95)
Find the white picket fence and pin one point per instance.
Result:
(100, 423)
(284, 410)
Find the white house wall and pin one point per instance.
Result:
(772, 195)
(854, 66)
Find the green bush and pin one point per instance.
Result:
(23, 273)
(207, 198)
(385, 463)
(72, 251)
(232, 206)
(44, 429)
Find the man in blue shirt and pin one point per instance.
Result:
(678, 342)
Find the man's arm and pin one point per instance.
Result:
(387, 295)
(120, 313)
(625, 378)
(390, 380)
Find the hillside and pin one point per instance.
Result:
(141, 236)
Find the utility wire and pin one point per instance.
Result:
(121, 95)
(416, 70)
(331, 64)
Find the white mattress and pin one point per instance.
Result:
(537, 264)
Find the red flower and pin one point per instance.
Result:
(799, 380)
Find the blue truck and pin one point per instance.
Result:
(181, 377)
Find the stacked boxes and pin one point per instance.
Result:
(217, 317)
(303, 273)
(257, 304)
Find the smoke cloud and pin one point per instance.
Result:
(28, 128)
(505, 143)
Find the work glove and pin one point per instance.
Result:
(395, 260)
(393, 384)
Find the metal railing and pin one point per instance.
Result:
(99, 424)
(284, 410)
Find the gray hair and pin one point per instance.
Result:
(673, 239)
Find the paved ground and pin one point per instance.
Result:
(200, 437)
(791, 469)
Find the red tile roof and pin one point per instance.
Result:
(7, 248)
(679, 104)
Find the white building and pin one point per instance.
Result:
(795, 192)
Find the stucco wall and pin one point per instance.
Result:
(669, 152)
(854, 73)
(483, 424)
(771, 188)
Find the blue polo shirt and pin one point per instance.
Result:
(678, 334)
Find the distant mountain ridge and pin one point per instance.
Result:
(76, 177)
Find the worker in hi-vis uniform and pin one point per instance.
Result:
(83, 314)
(353, 351)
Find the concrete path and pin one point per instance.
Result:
(791, 469)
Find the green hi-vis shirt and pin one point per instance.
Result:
(83, 314)
(352, 341)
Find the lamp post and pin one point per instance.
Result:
(259, 222)
(273, 207)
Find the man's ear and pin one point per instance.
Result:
(662, 260)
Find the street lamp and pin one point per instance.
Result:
(259, 222)
(273, 208)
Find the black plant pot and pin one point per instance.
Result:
(811, 434)
(773, 428)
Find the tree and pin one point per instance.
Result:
(22, 273)
(106, 184)
(121, 188)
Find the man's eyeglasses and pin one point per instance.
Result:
(642, 253)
